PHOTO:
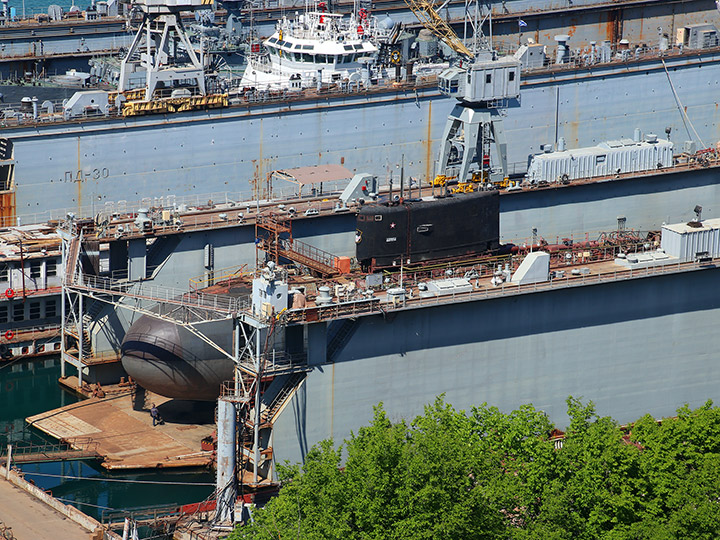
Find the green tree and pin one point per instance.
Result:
(490, 474)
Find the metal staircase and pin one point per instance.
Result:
(346, 329)
(159, 251)
(282, 398)
(273, 235)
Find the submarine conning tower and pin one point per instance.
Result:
(418, 230)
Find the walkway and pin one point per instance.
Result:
(125, 436)
(31, 519)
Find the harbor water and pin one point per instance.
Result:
(34, 7)
(31, 387)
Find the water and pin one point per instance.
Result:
(34, 7)
(31, 387)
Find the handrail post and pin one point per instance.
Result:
(9, 461)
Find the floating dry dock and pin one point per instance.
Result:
(125, 438)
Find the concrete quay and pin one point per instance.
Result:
(34, 514)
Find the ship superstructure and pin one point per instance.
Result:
(30, 282)
(316, 47)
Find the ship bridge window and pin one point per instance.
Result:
(307, 57)
(307, 47)
(3, 314)
(35, 269)
(348, 47)
(50, 268)
(454, 85)
(357, 46)
(18, 311)
(511, 76)
(488, 78)
(600, 159)
(272, 40)
(34, 310)
(297, 46)
(50, 308)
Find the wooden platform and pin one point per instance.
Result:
(125, 436)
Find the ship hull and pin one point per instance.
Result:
(169, 360)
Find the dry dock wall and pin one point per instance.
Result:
(637, 346)
(646, 202)
(85, 165)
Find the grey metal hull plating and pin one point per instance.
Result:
(89, 166)
(633, 347)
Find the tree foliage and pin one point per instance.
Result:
(486, 474)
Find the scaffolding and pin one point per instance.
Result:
(265, 380)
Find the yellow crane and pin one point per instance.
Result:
(431, 19)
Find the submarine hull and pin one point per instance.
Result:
(169, 360)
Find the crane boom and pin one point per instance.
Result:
(431, 19)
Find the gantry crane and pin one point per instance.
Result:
(152, 78)
(482, 83)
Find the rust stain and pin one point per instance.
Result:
(7, 208)
(79, 181)
(573, 130)
(613, 27)
(428, 145)
(571, 30)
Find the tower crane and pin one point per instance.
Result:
(482, 83)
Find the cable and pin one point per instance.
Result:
(680, 106)
(71, 501)
(118, 480)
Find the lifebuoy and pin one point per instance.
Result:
(9, 293)
(9, 335)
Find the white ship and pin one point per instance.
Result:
(317, 47)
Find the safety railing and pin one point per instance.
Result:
(219, 277)
(375, 305)
(23, 450)
(307, 251)
(161, 295)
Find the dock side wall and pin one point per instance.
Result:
(633, 347)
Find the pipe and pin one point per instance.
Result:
(225, 476)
